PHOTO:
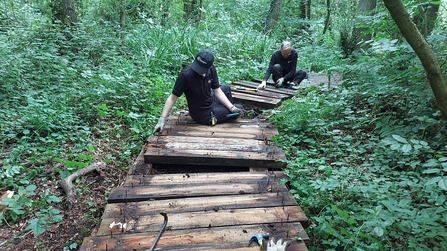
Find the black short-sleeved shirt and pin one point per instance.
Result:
(197, 90)
(288, 64)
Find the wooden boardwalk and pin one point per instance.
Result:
(218, 186)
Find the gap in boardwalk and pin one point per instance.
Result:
(170, 169)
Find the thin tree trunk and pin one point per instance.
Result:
(305, 9)
(425, 17)
(123, 13)
(363, 8)
(328, 16)
(64, 11)
(272, 17)
(423, 51)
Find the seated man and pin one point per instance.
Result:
(283, 68)
(208, 102)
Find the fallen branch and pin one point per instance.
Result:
(67, 183)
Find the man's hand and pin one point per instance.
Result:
(279, 82)
(234, 109)
(160, 125)
(262, 85)
(279, 246)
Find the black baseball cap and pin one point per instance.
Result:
(203, 61)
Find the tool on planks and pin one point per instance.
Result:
(162, 229)
(232, 115)
(258, 238)
(246, 89)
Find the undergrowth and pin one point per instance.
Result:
(367, 160)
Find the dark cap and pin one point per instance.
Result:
(203, 61)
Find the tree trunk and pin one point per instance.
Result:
(64, 11)
(273, 15)
(123, 13)
(363, 8)
(305, 9)
(192, 11)
(423, 51)
(425, 17)
(328, 16)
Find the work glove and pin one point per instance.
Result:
(279, 246)
(234, 109)
(262, 85)
(160, 125)
(279, 82)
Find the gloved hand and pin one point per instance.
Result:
(234, 109)
(279, 246)
(262, 85)
(160, 125)
(279, 82)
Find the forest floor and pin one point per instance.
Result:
(85, 216)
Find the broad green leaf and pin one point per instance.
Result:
(433, 170)
(395, 146)
(36, 226)
(431, 163)
(400, 139)
(433, 181)
(406, 148)
(443, 183)
(378, 231)
(52, 198)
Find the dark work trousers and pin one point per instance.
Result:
(297, 78)
(219, 110)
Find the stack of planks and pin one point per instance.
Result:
(245, 92)
(207, 210)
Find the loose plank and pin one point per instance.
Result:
(194, 204)
(262, 93)
(234, 238)
(289, 92)
(193, 178)
(268, 159)
(205, 219)
(263, 102)
(126, 194)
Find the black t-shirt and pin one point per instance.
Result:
(197, 90)
(288, 65)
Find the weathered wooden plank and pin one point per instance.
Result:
(269, 159)
(270, 88)
(132, 194)
(209, 146)
(194, 204)
(171, 131)
(262, 93)
(183, 118)
(154, 140)
(262, 102)
(203, 219)
(193, 178)
(231, 238)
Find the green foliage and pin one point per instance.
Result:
(367, 160)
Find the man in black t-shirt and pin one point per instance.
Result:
(282, 67)
(209, 103)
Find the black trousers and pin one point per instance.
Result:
(219, 110)
(297, 77)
